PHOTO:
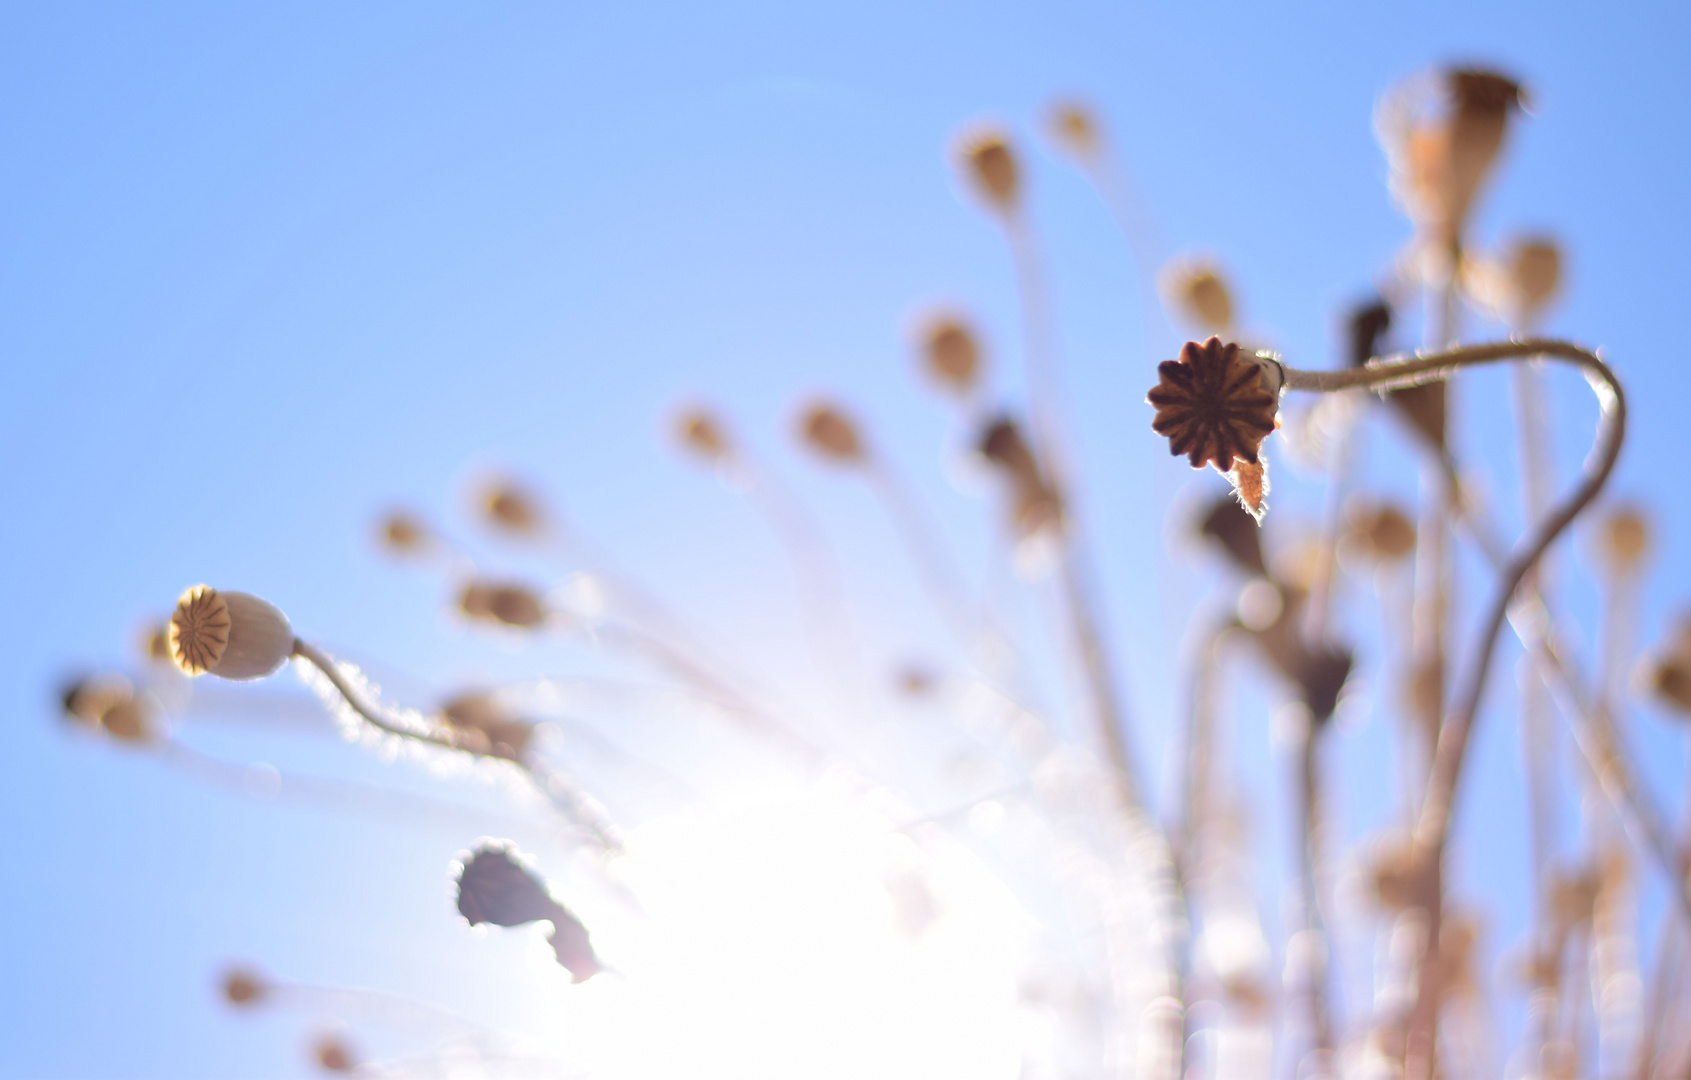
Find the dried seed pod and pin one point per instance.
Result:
(244, 987)
(493, 887)
(1367, 326)
(827, 429)
(1395, 869)
(1212, 406)
(950, 354)
(1035, 506)
(1483, 101)
(155, 643)
(1573, 896)
(989, 165)
(403, 533)
(232, 635)
(1625, 539)
(509, 508)
(481, 726)
(1459, 934)
(502, 602)
(1534, 276)
(699, 433)
(110, 703)
(1231, 526)
(332, 1054)
(1196, 290)
(1381, 532)
(1074, 129)
(1667, 675)
(915, 681)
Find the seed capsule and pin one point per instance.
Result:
(510, 509)
(991, 169)
(1196, 289)
(1074, 129)
(244, 988)
(1535, 275)
(699, 432)
(511, 604)
(951, 356)
(228, 634)
(493, 887)
(403, 534)
(831, 433)
(1626, 539)
(332, 1054)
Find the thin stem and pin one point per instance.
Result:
(577, 806)
(1309, 866)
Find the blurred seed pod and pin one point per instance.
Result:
(1425, 691)
(828, 431)
(228, 634)
(989, 165)
(509, 508)
(1483, 101)
(1035, 506)
(155, 643)
(701, 434)
(1423, 406)
(1196, 291)
(1395, 867)
(333, 1055)
(110, 703)
(1625, 541)
(1367, 326)
(494, 887)
(1074, 129)
(1379, 531)
(950, 355)
(915, 681)
(1666, 676)
(402, 533)
(1534, 268)
(1573, 896)
(1229, 525)
(480, 725)
(1459, 935)
(244, 988)
(502, 602)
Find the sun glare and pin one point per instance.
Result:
(803, 935)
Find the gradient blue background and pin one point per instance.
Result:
(266, 269)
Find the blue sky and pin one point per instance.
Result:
(265, 270)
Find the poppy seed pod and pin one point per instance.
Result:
(244, 988)
(990, 166)
(1232, 527)
(232, 635)
(831, 433)
(111, 704)
(1626, 539)
(700, 433)
(480, 725)
(1535, 274)
(403, 534)
(155, 643)
(1197, 291)
(493, 887)
(510, 509)
(1384, 533)
(1212, 405)
(1481, 103)
(1074, 129)
(951, 355)
(510, 604)
(333, 1055)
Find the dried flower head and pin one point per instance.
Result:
(1625, 539)
(502, 602)
(1573, 895)
(510, 508)
(1395, 871)
(403, 533)
(244, 987)
(1380, 531)
(479, 724)
(493, 887)
(1075, 130)
(700, 433)
(826, 429)
(228, 634)
(1035, 506)
(332, 1054)
(989, 165)
(1667, 675)
(950, 354)
(1231, 526)
(1212, 405)
(1534, 269)
(111, 704)
(1368, 324)
(155, 643)
(1196, 290)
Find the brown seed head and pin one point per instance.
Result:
(827, 430)
(232, 635)
(110, 703)
(511, 509)
(155, 643)
(1074, 129)
(1232, 527)
(502, 602)
(1535, 274)
(479, 724)
(403, 533)
(1196, 290)
(332, 1054)
(1395, 872)
(990, 166)
(700, 433)
(1382, 532)
(1626, 539)
(244, 988)
(950, 354)
(1035, 505)
(1212, 406)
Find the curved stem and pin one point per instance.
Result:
(1434, 825)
